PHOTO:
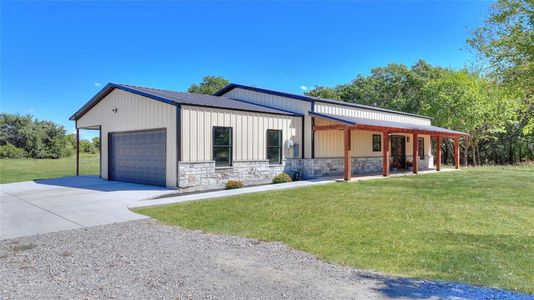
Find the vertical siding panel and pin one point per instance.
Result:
(134, 113)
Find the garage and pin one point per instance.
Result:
(138, 156)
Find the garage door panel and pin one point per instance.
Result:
(138, 157)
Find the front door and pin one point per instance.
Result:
(398, 152)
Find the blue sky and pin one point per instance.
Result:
(57, 55)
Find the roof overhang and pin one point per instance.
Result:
(177, 100)
(108, 89)
(344, 122)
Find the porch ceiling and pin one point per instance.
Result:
(380, 125)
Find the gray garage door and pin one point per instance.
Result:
(138, 156)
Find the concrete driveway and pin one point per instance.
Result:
(40, 206)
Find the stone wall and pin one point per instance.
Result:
(195, 176)
(322, 167)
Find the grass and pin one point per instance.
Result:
(474, 226)
(13, 170)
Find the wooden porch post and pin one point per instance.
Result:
(415, 159)
(385, 152)
(77, 151)
(457, 152)
(348, 155)
(438, 153)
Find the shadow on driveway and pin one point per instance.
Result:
(96, 183)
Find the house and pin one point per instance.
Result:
(194, 142)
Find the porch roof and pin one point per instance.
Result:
(381, 125)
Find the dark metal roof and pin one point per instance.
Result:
(174, 98)
(231, 86)
(380, 123)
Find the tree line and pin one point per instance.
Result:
(23, 136)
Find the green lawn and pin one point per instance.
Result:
(474, 226)
(13, 170)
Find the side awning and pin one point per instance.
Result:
(380, 125)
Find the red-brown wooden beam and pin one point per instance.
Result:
(415, 158)
(385, 152)
(77, 151)
(438, 153)
(348, 155)
(381, 128)
(457, 152)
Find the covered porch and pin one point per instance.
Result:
(388, 129)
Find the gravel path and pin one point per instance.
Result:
(146, 259)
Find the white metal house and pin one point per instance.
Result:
(193, 142)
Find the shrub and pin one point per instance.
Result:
(281, 178)
(10, 151)
(233, 184)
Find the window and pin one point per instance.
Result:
(222, 146)
(377, 142)
(421, 145)
(274, 146)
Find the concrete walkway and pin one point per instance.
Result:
(263, 188)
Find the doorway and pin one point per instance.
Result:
(398, 152)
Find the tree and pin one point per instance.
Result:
(394, 86)
(96, 142)
(505, 44)
(209, 85)
(468, 103)
(323, 92)
(38, 139)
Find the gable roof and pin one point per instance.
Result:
(179, 98)
(232, 86)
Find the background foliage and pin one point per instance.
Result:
(22, 136)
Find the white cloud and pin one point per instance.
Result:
(97, 84)
(303, 87)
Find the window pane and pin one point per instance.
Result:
(221, 136)
(377, 142)
(273, 155)
(221, 156)
(274, 138)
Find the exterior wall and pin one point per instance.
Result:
(330, 143)
(335, 109)
(279, 102)
(134, 113)
(194, 176)
(248, 129)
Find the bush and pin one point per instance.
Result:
(10, 151)
(282, 178)
(233, 184)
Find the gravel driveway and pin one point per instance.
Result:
(146, 259)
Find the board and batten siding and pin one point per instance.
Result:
(248, 130)
(342, 110)
(279, 102)
(134, 113)
(330, 143)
